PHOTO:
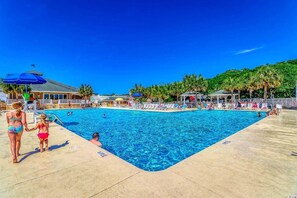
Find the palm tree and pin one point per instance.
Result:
(229, 84)
(242, 79)
(195, 83)
(160, 92)
(251, 85)
(202, 84)
(6, 88)
(177, 89)
(189, 82)
(13, 88)
(137, 88)
(86, 91)
(239, 85)
(267, 78)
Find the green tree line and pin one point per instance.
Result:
(277, 80)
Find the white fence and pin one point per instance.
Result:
(10, 101)
(287, 102)
(72, 101)
(45, 101)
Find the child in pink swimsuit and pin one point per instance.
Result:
(43, 132)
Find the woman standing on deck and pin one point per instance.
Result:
(16, 121)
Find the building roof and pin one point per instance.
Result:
(192, 94)
(35, 72)
(222, 93)
(109, 98)
(53, 86)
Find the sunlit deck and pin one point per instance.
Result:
(255, 162)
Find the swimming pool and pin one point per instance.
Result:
(152, 140)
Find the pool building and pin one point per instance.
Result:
(52, 94)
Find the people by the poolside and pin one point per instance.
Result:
(16, 121)
(273, 111)
(199, 107)
(260, 105)
(238, 106)
(210, 106)
(43, 132)
(95, 139)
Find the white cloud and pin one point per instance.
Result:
(248, 50)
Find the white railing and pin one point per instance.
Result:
(288, 102)
(10, 101)
(71, 101)
(45, 101)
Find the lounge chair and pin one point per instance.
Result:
(250, 105)
(279, 107)
(184, 106)
(264, 106)
(145, 106)
(220, 105)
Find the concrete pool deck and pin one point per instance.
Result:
(255, 162)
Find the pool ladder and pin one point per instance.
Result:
(52, 114)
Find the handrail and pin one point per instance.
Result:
(71, 101)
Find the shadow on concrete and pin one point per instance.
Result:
(51, 148)
(54, 147)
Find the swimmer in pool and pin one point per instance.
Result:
(95, 139)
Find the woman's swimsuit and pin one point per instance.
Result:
(15, 129)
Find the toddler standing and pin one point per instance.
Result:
(43, 132)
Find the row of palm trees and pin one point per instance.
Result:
(246, 80)
(13, 88)
(190, 83)
(264, 78)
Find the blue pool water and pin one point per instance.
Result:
(155, 141)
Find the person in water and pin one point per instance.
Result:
(259, 114)
(69, 113)
(95, 139)
(104, 115)
(16, 121)
(43, 132)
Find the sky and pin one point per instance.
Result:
(114, 44)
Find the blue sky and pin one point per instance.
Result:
(114, 44)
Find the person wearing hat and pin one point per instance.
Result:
(16, 121)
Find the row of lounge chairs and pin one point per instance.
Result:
(250, 106)
(156, 106)
(171, 106)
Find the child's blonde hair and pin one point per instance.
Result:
(42, 116)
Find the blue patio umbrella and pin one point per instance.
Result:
(136, 95)
(23, 79)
